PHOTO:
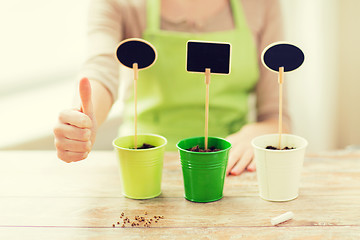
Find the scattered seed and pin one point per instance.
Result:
(138, 220)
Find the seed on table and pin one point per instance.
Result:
(137, 220)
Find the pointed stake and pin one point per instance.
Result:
(281, 80)
(207, 82)
(136, 71)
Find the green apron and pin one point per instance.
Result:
(171, 101)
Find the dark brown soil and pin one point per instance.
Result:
(146, 146)
(198, 149)
(275, 148)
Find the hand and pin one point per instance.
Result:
(241, 155)
(75, 131)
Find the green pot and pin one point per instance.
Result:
(204, 172)
(140, 169)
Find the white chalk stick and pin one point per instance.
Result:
(282, 218)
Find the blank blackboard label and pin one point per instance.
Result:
(136, 50)
(213, 55)
(282, 54)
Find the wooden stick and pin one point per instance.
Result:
(280, 80)
(207, 82)
(136, 75)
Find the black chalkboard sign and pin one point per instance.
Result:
(282, 54)
(213, 55)
(136, 50)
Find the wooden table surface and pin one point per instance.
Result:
(43, 198)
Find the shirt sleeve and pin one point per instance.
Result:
(267, 93)
(103, 35)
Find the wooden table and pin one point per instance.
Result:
(43, 198)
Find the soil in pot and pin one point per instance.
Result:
(198, 149)
(275, 148)
(145, 146)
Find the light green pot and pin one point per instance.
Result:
(140, 169)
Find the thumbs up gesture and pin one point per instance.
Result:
(75, 131)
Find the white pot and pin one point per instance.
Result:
(278, 171)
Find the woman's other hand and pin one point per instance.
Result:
(241, 155)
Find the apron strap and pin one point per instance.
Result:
(238, 14)
(153, 14)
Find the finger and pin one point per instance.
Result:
(75, 118)
(231, 138)
(242, 163)
(85, 96)
(72, 132)
(234, 156)
(69, 157)
(252, 166)
(64, 144)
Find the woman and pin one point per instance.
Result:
(172, 100)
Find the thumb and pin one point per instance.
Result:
(85, 96)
